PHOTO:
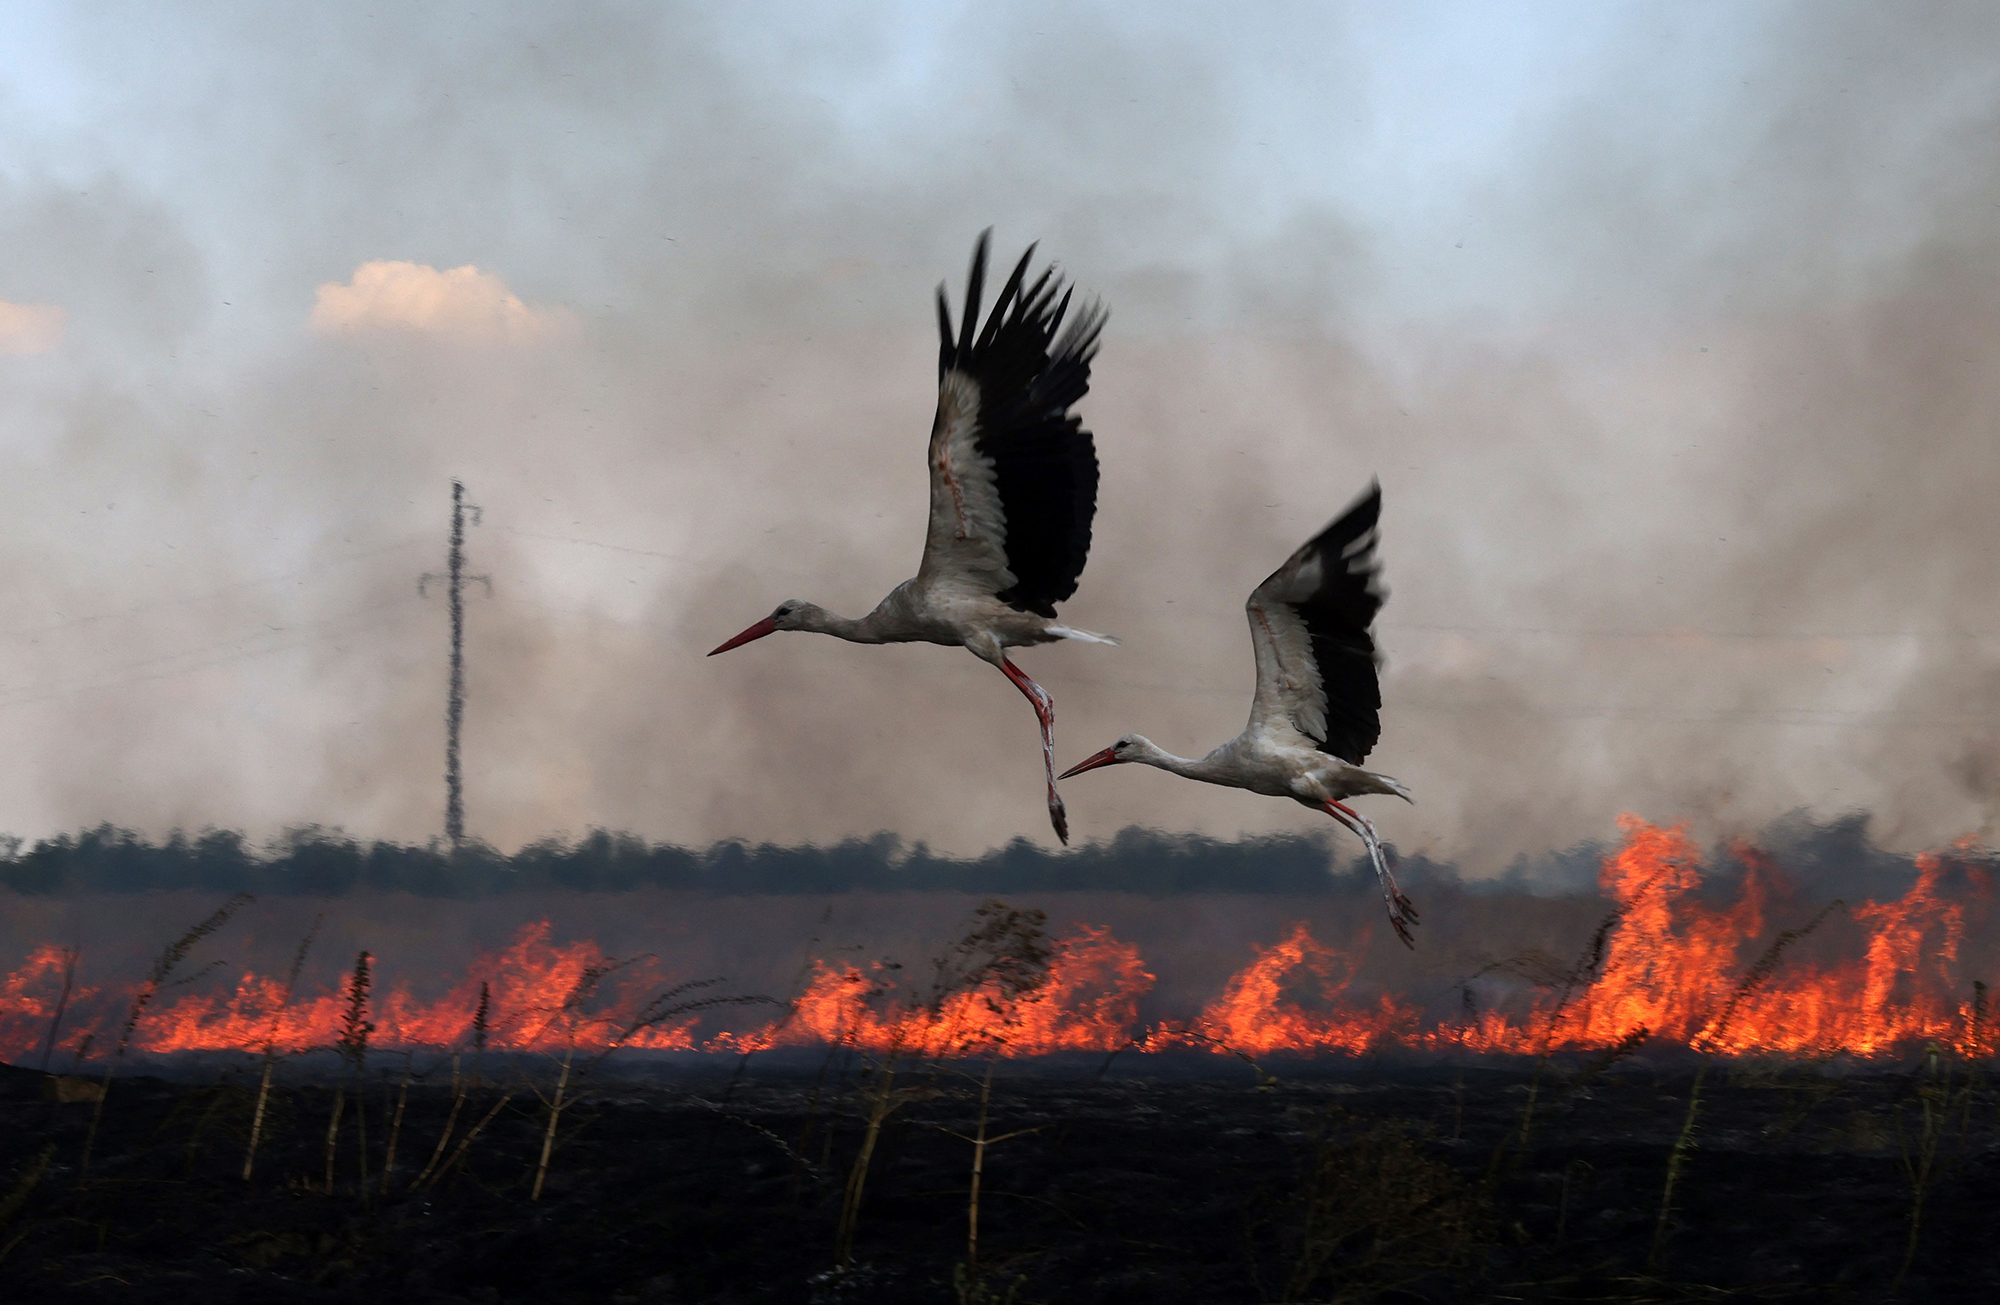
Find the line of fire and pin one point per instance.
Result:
(1665, 966)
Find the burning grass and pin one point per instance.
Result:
(1882, 977)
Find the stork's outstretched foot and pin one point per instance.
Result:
(1045, 712)
(1402, 913)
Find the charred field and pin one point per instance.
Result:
(1154, 1178)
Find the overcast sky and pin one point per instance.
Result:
(1671, 331)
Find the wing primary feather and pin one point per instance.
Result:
(1035, 297)
(999, 316)
(944, 332)
(975, 283)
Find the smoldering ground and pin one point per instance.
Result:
(1676, 371)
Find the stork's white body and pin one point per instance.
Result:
(912, 613)
(1013, 488)
(1315, 715)
(1278, 769)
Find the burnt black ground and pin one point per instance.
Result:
(1163, 1181)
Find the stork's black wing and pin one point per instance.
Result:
(1310, 624)
(1013, 472)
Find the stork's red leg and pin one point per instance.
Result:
(1402, 914)
(1045, 712)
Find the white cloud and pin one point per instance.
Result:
(463, 303)
(30, 328)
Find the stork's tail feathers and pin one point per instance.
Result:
(1386, 784)
(1084, 636)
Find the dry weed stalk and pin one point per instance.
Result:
(160, 977)
(69, 955)
(1943, 1092)
(396, 1124)
(450, 1122)
(572, 1015)
(981, 1140)
(460, 1087)
(1003, 957)
(1018, 944)
(1711, 1037)
(481, 1026)
(271, 1043)
(465, 1144)
(1542, 971)
(352, 1044)
(884, 1101)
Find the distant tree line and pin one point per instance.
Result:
(315, 860)
(1823, 858)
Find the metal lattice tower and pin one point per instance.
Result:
(455, 578)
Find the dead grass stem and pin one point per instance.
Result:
(271, 1044)
(160, 977)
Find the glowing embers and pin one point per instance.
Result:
(1738, 976)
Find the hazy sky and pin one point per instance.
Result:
(1671, 331)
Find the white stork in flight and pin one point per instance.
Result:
(1318, 704)
(1013, 490)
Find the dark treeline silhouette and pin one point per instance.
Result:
(315, 860)
(1833, 858)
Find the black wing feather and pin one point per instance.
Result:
(1044, 461)
(1337, 616)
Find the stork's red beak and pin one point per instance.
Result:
(1108, 757)
(757, 631)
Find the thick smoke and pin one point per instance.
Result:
(1679, 384)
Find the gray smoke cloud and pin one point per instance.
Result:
(1670, 330)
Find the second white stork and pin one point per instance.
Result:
(1013, 478)
(1317, 712)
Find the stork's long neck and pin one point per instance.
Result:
(1201, 768)
(872, 628)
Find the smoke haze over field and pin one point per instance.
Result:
(1671, 331)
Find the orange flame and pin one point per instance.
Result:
(1673, 965)
(1089, 1003)
(1254, 1015)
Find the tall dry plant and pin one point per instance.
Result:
(1565, 982)
(573, 1018)
(482, 1027)
(461, 1087)
(1003, 957)
(396, 1123)
(1710, 1039)
(982, 1140)
(160, 977)
(1010, 956)
(271, 1042)
(430, 1177)
(352, 1046)
(577, 1022)
(1946, 1086)
(69, 955)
